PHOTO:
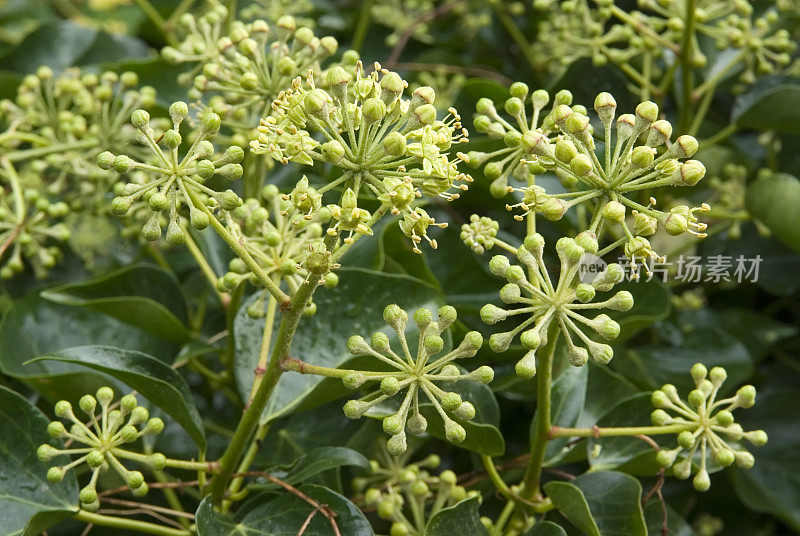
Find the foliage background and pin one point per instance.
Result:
(750, 328)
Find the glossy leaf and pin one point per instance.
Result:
(654, 515)
(355, 306)
(284, 516)
(34, 327)
(460, 519)
(756, 108)
(604, 503)
(144, 296)
(29, 503)
(612, 452)
(652, 302)
(157, 382)
(545, 528)
(773, 200)
(318, 461)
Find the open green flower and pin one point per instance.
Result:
(411, 374)
(709, 425)
(549, 308)
(100, 443)
(389, 148)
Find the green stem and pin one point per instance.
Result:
(128, 524)
(240, 251)
(544, 380)
(557, 431)
(37, 152)
(720, 136)
(687, 69)
(362, 25)
(247, 460)
(156, 18)
(252, 414)
(208, 272)
(516, 34)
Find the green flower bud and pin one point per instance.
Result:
(353, 379)
(519, 90)
(172, 139)
(154, 426)
(465, 411)
(665, 458)
(660, 417)
(758, 437)
(395, 317)
(577, 356)
(744, 459)
(724, 457)
(605, 105)
(499, 342)
(95, 458)
(56, 430)
(746, 396)
(454, 432)
(105, 160)
(158, 202)
(691, 172)
(46, 452)
(526, 367)
(88, 495)
(397, 444)
(228, 200)
(139, 414)
(157, 461)
(417, 424)
(128, 434)
(450, 401)
(178, 111)
(483, 374)
(135, 479)
(531, 339)
(198, 219)
(355, 409)
(123, 164)
(62, 409)
(140, 119)
(399, 529)
(701, 481)
(87, 403)
(55, 474)
(585, 293)
(643, 156)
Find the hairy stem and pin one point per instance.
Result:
(557, 431)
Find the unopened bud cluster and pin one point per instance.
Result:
(388, 147)
(98, 440)
(710, 427)
(396, 491)
(412, 375)
(542, 303)
(636, 156)
(170, 180)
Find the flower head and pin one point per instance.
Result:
(479, 234)
(709, 427)
(549, 308)
(170, 180)
(100, 442)
(388, 147)
(413, 375)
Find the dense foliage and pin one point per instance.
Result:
(404, 267)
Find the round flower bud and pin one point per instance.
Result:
(584, 293)
(135, 479)
(450, 401)
(417, 424)
(465, 411)
(553, 209)
(397, 444)
(423, 94)
(128, 433)
(625, 126)
(140, 119)
(87, 403)
(178, 111)
(231, 172)
(659, 399)
(425, 114)
(157, 461)
(394, 144)
(643, 156)
(454, 432)
(228, 200)
(140, 491)
(399, 529)
(355, 409)
(123, 164)
(62, 409)
(499, 264)
(565, 150)
(724, 457)
(665, 458)
(605, 105)
(172, 139)
(105, 160)
(746, 396)
(701, 481)
(660, 132)
(56, 430)
(514, 106)
(676, 224)
(695, 398)
(684, 147)
(353, 379)
(660, 417)
(127, 403)
(139, 415)
(154, 426)
(210, 123)
(698, 372)
(88, 495)
(691, 172)
(55, 474)
(419, 488)
(483, 374)
(390, 385)
(540, 98)
(686, 439)
(647, 112)
(46, 452)
(531, 339)
(621, 301)
(205, 169)
(744, 459)
(577, 356)
(198, 219)
(519, 90)
(758, 438)
(158, 202)
(95, 458)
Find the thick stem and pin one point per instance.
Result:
(128, 524)
(544, 384)
(252, 414)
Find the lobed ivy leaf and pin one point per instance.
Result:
(284, 515)
(156, 381)
(29, 503)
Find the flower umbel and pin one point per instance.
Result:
(178, 180)
(415, 375)
(388, 147)
(542, 303)
(710, 427)
(101, 441)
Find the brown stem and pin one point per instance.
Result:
(425, 17)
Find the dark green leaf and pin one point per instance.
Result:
(605, 389)
(284, 516)
(324, 459)
(773, 484)
(773, 200)
(546, 528)
(654, 515)
(612, 452)
(57, 44)
(144, 296)
(460, 519)
(652, 302)
(157, 382)
(605, 503)
(28, 502)
(108, 48)
(355, 306)
(34, 327)
(657, 365)
(756, 108)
